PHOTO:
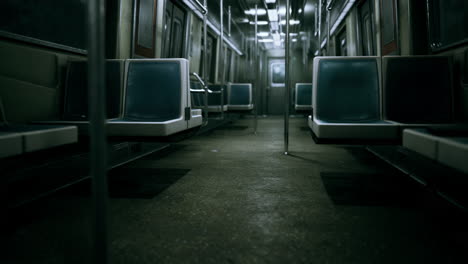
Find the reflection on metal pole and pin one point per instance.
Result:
(205, 58)
(221, 54)
(286, 92)
(98, 141)
(256, 72)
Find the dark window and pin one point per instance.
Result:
(174, 31)
(448, 23)
(341, 49)
(366, 29)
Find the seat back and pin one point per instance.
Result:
(346, 89)
(240, 93)
(155, 89)
(418, 89)
(215, 99)
(76, 90)
(303, 94)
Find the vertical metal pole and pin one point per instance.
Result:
(98, 141)
(328, 28)
(222, 59)
(286, 92)
(229, 21)
(256, 72)
(205, 58)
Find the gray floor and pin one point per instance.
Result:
(243, 201)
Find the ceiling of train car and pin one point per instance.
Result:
(272, 19)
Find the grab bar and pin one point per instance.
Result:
(202, 8)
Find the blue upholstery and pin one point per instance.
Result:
(346, 100)
(240, 94)
(418, 89)
(348, 90)
(76, 90)
(303, 94)
(215, 99)
(153, 91)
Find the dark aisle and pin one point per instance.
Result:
(235, 198)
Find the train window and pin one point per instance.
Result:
(227, 67)
(145, 27)
(448, 23)
(277, 74)
(389, 27)
(174, 31)
(341, 49)
(211, 45)
(366, 28)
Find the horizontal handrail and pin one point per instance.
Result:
(202, 8)
(199, 79)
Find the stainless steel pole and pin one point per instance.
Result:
(287, 92)
(256, 72)
(222, 59)
(205, 58)
(98, 141)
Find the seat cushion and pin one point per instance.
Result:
(453, 152)
(11, 144)
(421, 141)
(369, 130)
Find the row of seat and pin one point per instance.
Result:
(447, 146)
(145, 97)
(376, 98)
(235, 97)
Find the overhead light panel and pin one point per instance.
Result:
(291, 22)
(270, 1)
(260, 23)
(251, 11)
(265, 40)
(263, 34)
(272, 15)
(274, 26)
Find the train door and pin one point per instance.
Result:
(366, 28)
(276, 87)
(211, 45)
(174, 32)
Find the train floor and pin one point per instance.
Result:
(232, 196)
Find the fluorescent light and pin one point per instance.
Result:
(291, 22)
(251, 11)
(282, 10)
(261, 23)
(265, 40)
(242, 20)
(274, 26)
(290, 34)
(263, 34)
(276, 37)
(272, 15)
(270, 1)
(294, 40)
(299, 11)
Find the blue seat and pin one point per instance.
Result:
(303, 100)
(418, 89)
(240, 96)
(214, 99)
(346, 99)
(156, 99)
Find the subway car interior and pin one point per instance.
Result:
(234, 131)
